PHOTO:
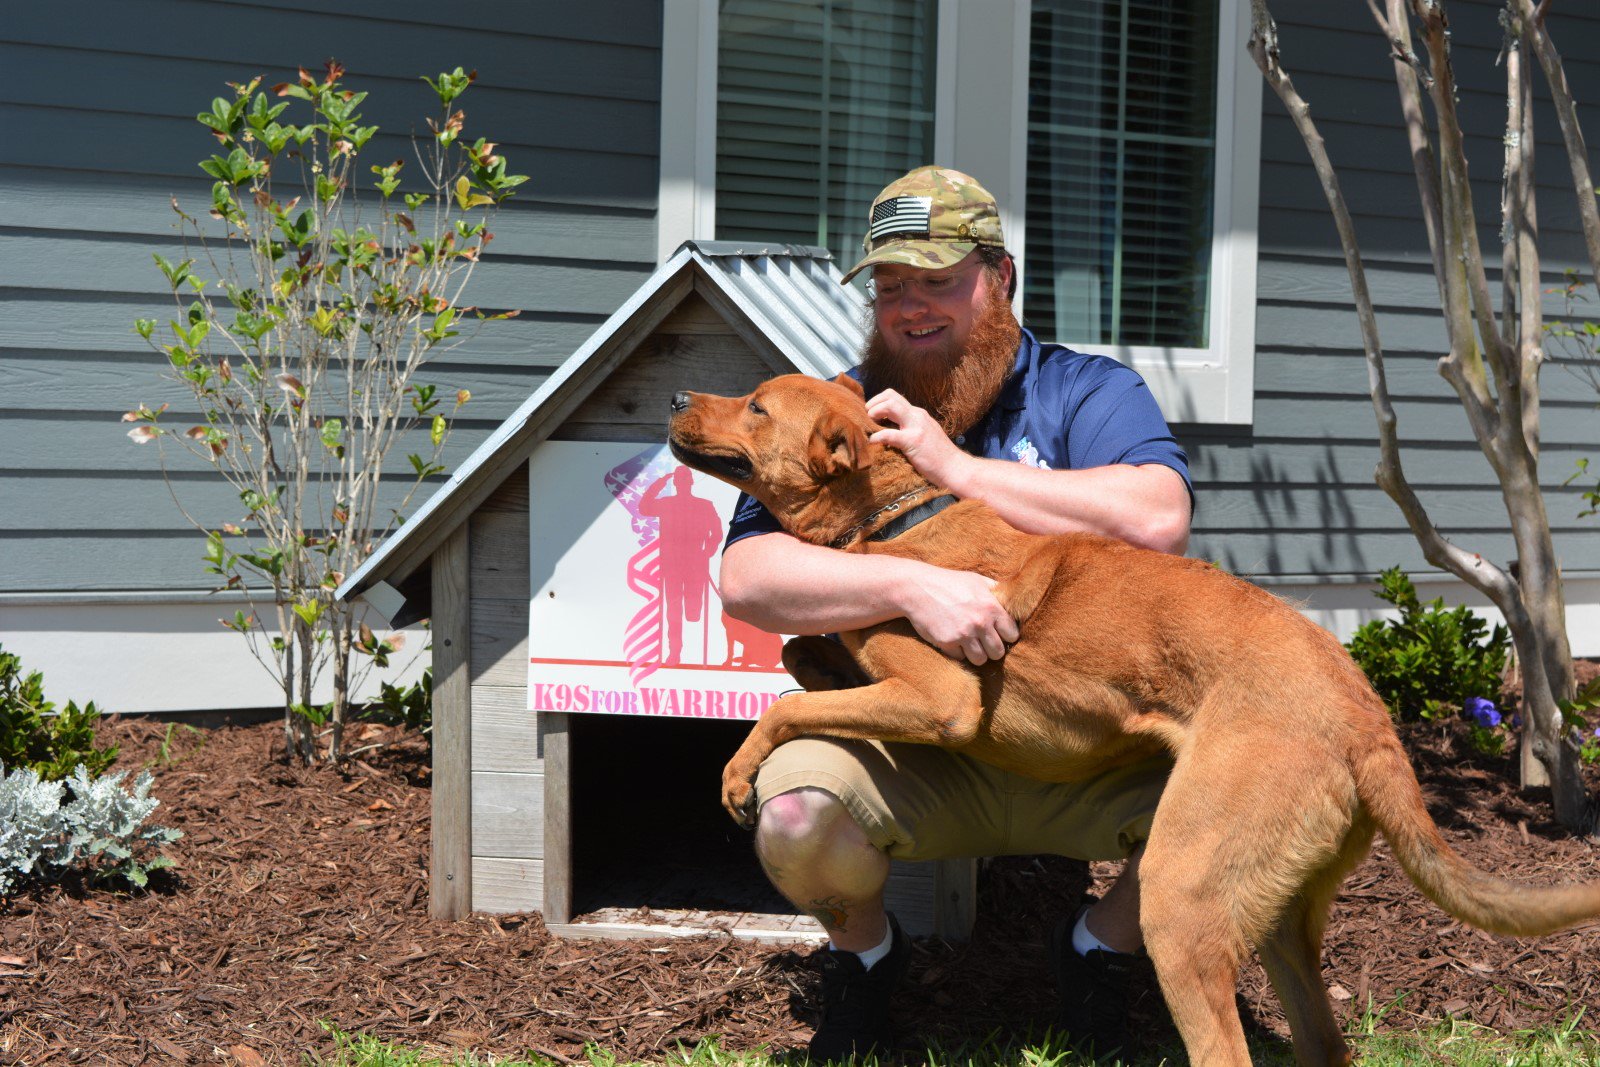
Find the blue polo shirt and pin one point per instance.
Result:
(1059, 409)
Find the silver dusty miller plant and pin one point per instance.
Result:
(101, 827)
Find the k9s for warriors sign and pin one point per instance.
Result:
(626, 617)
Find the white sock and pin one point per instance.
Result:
(872, 955)
(1083, 941)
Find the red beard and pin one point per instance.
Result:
(957, 386)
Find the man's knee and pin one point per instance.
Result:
(797, 818)
(810, 844)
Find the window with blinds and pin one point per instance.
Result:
(1121, 171)
(819, 106)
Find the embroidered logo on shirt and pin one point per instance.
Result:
(1026, 453)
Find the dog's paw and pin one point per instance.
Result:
(739, 798)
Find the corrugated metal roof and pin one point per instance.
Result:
(795, 293)
(792, 294)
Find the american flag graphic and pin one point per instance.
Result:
(641, 640)
(900, 214)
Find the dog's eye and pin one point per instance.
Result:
(757, 409)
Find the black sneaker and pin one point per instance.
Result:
(1093, 992)
(855, 1001)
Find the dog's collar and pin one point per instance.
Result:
(900, 523)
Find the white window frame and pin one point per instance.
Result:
(1212, 385)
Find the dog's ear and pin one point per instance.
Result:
(851, 384)
(839, 446)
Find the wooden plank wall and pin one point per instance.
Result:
(450, 885)
(512, 749)
(101, 135)
(1293, 495)
(507, 748)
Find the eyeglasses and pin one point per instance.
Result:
(929, 283)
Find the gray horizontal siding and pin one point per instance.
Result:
(1294, 494)
(99, 114)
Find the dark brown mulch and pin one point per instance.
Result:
(301, 896)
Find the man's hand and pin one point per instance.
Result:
(919, 435)
(956, 612)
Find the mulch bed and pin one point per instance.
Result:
(300, 896)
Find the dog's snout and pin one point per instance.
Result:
(680, 401)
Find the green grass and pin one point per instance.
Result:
(1454, 1043)
(1464, 1044)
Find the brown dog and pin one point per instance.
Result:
(1285, 759)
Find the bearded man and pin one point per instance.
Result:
(1055, 441)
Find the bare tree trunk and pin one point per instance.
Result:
(306, 638)
(1547, 756)
(341, 684)
(291, 745)
(1494, 373)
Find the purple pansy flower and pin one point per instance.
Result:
(1516, 722)
(1483, 712)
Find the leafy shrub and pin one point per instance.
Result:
(410, 706)
(33, 734)
(1589, 751)
(1577, 714)
(100, 828)
(1428, 663)
(323, 284)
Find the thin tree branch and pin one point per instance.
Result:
(1535, 33)
(1469, 566)
(1522, 303)
(1463, 256)
(1411, 78)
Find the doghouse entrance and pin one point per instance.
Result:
(653, 852)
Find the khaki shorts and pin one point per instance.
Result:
(919, 802)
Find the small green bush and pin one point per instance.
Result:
(1432, 660)
(410, 706)
(34, 735)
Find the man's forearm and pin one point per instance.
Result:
(783, 585)
(1144, 505)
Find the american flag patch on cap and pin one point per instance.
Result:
(900, 214)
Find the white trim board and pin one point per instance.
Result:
(687, 207)
(1344, 606)
(158, 656)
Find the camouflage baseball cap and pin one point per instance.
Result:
(933, 217)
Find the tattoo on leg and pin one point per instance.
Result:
(775, 873)
(832, 912)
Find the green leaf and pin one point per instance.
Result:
(423, 468)
(315, 715)
(451, 85)
(441, 327)
(177, 273)
(308, 612)
(333, 437)
(466, 198)
(436, 434)
(216, 556)
(299, 232)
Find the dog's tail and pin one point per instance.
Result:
(1388, 789)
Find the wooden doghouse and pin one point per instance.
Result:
(513, 788)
